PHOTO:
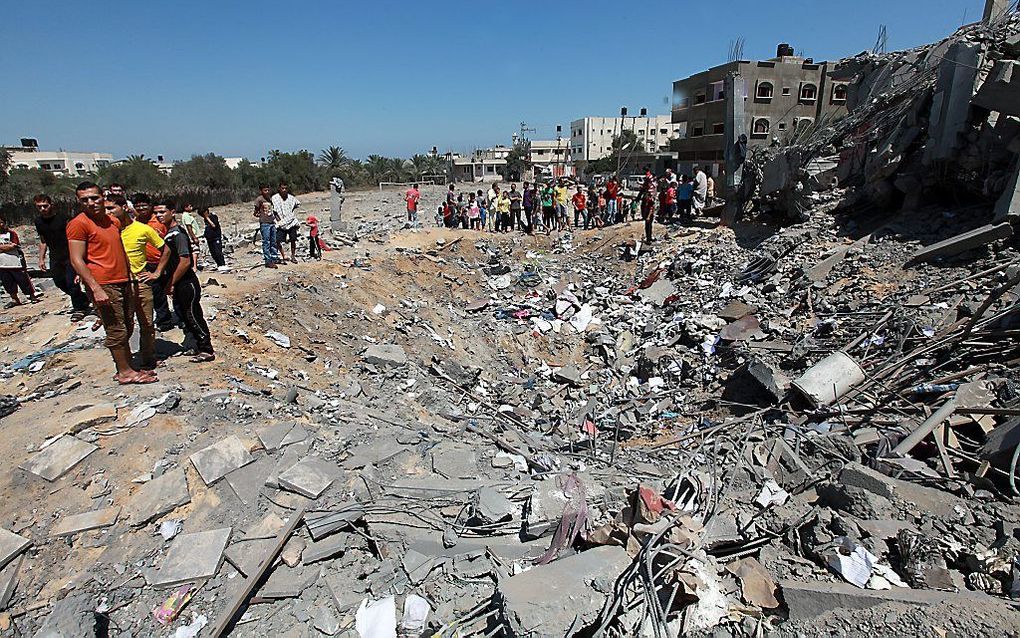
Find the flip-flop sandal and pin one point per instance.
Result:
(138, 380)
(203, 358)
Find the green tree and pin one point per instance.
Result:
(333, 158)
(204, 171)
(518, 161)
(136, 174)
(298, 169)
(623, 146)
(377, 169)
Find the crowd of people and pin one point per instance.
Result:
(125, 262)
(557, 204)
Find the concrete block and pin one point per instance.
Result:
(247, 481)
(86, 521)
(385, 355)
(1001, 90)
(57, 459)
(810, 600)
(923, 498)
(159, 496)
(220, 458)
(191, 557)
(11, 545)
(559, 598)
(1008, 204)
(309, 477)
(963, 242)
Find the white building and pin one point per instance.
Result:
(482, 165)
(591, 138)
(65, 163)
(551, 158)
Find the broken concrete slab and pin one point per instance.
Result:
(85, 521)
(1001, 89)
(9, 581)
(327, 548)
(247, 482)
(272, 436)
(291, 455)
(385, 355)
(551, 599)
(769, 378)
(545, 507)
(810, 600)
(926, 499)
(57, 459)
(157, 497)
(11, 545)
(567, 374)
(191, 557)
(492, 507)
(310, 476)
(746, 328)
(287, 582)
(963, 242)
(70, 617)
(90, 416)
(658, 292)
(246, 555)
(220, 458)
(372, 452)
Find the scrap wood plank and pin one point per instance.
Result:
(227, 618)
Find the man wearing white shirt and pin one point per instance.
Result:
(287, 227)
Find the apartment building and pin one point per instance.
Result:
(591, 138)
(780, 95)
(63, 163)
(551, 158)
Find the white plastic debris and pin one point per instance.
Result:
(198, 621)
(379, 309)
(771, 494)
(416, 612)
(377, 619)
(860, 567)
(169, 529)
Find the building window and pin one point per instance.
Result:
(683, 103)
(761, 127)
(718, 128)
(786, 90)
(663, 131)
(808, 92)
(781, 126)
(839, 93)
(699, 98)
(764, 91)
(717, 91)
(697, 129)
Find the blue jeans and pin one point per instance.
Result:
(269, 252)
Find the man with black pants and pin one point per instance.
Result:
(181, 283)
(151, 215)
(52, 230)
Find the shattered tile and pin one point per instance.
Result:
(309, 477)
(55, 461)
(157, 497)
(191, 557)
(215, 461)
(85, 521)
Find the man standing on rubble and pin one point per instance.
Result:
(98, 257)
(52, 230)
(516, 208)
(700, 191)
(287, 227)
(267, 225)
(149, 215)
(412, 197)
(181, 283)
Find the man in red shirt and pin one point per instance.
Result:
(612, 203)
(412, 197)
(579, 200)
(98, 257)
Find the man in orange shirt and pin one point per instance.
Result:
(98, 257)
(148, 214)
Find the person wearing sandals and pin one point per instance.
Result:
(97, 256)
(137, 238)
(181, 283)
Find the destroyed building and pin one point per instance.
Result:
(779, 96)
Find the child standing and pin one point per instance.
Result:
(474, 213)
(13, 270)
(314, 249)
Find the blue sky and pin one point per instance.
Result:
(394, 78)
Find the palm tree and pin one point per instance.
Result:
(377, 167)
(419, 165)
(397, 170)
(333, 158)
(136, 158)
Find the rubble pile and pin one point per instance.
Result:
(933, 124)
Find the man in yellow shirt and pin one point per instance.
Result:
(562, 201)
(136, 236)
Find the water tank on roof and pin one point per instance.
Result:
(784, 50)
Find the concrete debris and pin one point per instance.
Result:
(159, 496)
(221, 458)
(11, 546)
(385, 355)
(86, 521)
(58, 458)
(191, 557)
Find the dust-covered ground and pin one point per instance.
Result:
(435, 371)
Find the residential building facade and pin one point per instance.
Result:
(551, 158)
(781, 95)
(63, 163)
(482, 165)
(591, 138)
